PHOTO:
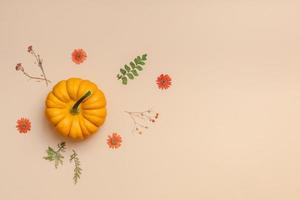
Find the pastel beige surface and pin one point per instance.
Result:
(229, 124)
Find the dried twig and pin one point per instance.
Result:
(39, 62)
(37, 78)
(141, 119)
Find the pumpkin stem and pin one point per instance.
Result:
(74, 109)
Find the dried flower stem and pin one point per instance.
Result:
(39, 62)
(36, 78)
(131, 114)
(140, 119)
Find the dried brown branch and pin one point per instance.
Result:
(142, 119)
(39, 62)
(36, 78)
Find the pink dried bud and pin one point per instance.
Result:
(29, 49)
(19, 67)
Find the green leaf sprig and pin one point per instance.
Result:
(77, 169)
(130, 71)
(55, 155)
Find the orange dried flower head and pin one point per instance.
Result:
(163, 81)
(23, 125)
(19, 67)
(114, 141)
(29, 49)
(79, 56)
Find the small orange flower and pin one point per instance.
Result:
(79, 56)
(163, 81)
(114, 141)
(19, 67)
(23, 125)
(29, 49)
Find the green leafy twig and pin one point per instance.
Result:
(55, 155)
(77, 169)
(130, 71)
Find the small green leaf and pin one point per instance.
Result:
(134, 72)
(119, 76)
(123, 71)
(129, 71)
(130, 76)
(124, 80)
(144, 57)
(139, 68)
(55, 155)
(132, 65)
(127, 68)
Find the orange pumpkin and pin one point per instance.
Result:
(76, 107)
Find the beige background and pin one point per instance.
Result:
(229, 126)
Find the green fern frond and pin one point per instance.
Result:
(77, 169)
(129, 72)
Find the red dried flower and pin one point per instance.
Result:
(23, 125)
(163, 81)
(79, 56)
(114, 141)
(19, 67)
(29, 49)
